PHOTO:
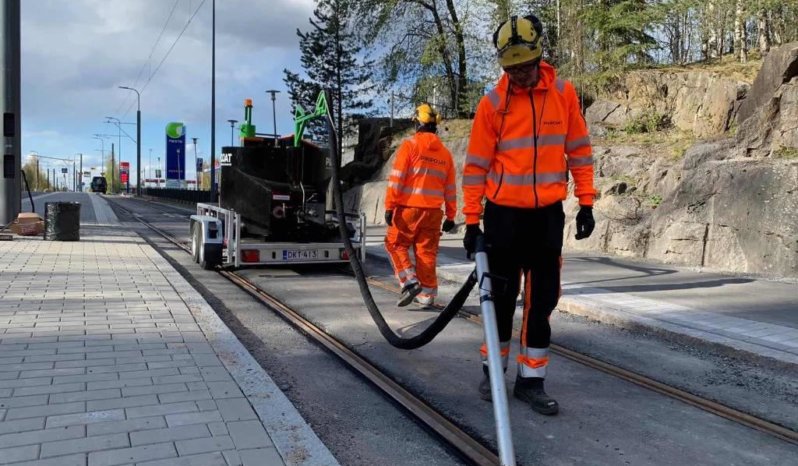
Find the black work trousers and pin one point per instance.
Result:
(526, 243)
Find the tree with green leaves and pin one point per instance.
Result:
(332, 59)
(425, 42)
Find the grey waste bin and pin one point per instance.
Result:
(62, 221)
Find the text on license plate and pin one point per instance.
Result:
(298, 255)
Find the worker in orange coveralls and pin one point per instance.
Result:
(422, 179)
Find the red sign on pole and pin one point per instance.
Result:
(124, 169)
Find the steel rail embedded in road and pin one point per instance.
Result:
(465, 445)
(718, 409)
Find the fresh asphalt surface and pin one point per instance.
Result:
(603, 420)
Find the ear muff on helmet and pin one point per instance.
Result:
(425, 115)
(519, 40)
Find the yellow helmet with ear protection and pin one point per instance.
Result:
(425, 115)
(518, 40)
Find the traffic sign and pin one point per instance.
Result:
(64, 170)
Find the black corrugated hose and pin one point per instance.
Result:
(395, 340)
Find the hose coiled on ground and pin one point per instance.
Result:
(395, 340)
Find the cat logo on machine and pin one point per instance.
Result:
(226, 160)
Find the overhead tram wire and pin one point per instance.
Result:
(152, 51)
(167, 53)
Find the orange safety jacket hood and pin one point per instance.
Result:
(523, 143)
(423, 176)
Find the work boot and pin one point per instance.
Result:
(425, 299)
(484, 385)
(484, 388)
(410, 291)
(531, 390)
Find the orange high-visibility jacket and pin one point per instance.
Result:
(523, 142)
(422, 176)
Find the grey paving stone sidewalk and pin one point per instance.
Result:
(107, 356)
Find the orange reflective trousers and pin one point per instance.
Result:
(419, 228)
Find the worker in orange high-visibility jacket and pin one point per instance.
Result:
(527, 135)
(421, 181)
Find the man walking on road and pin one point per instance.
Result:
(422, 179)
(527, 135)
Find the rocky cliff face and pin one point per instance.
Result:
(727, 203)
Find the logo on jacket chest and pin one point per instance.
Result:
(432, 160)
(552, 122)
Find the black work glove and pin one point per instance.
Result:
(389, 217)
(447, 226)
(470, 238)
(584, 222)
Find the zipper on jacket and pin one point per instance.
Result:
(535, 141)
(499, 186)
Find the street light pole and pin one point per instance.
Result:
(138, 138)
(11, 181)
(213, 101)
(274, 111)
(119, 135)
(196, 172)
(232, 128)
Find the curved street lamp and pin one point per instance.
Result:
(138, 138)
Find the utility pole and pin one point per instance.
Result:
(149, 164)
(37, 174)
(213, 101)
(81, 172)
(10, 182)
(274, 112)
(232, 128)
(74, 177)
(138, 139)
(113, 170)
(196, 172)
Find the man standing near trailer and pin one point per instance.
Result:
(421, 181)
(527, 135)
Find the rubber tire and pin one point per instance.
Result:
(211, 256)
(196, 242)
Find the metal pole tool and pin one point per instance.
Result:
(498, 391)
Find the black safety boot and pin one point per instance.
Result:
(484, 385)
(531, 390)
(410, 291)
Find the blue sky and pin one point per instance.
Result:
(76, 53)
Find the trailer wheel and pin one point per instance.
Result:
(210, 256)
(196, 242)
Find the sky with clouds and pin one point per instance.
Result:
(76, 53)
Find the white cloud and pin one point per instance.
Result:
(75, 54)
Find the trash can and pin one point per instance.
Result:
(62, 221)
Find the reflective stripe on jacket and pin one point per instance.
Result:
(423, 176)
(523, 143)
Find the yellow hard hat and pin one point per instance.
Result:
(425, 115)
(518, 40)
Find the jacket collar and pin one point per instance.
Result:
(547, 77)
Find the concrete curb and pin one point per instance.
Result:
(455, 272)
(293, 438)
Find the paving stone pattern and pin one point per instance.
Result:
(103, 363)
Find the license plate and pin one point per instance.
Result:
(299, 255)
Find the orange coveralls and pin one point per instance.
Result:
(422, 179)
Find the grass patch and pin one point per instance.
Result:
(649, 122)
(786, 153)
(728, 66)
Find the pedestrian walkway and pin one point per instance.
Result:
(755, 316)
(94, 210)
(108, 356)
